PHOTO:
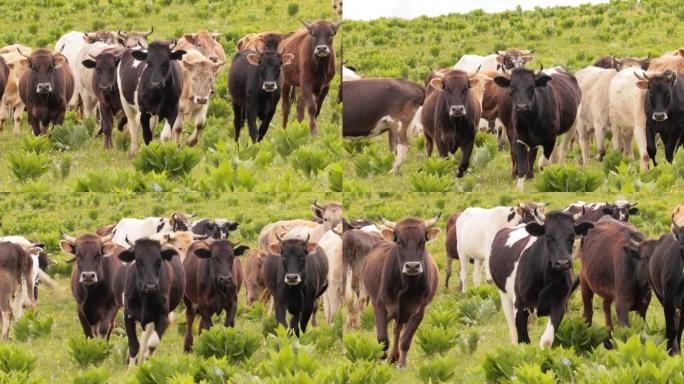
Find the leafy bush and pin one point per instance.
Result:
(359, 347)
(97, 181)
(160, 369)
(226, 177)
(14, 358)
(439, 166)
(576, 333)
(323, 337)
(27, 165)
(443, 317)
(568, 178)
(288, 140)
(287, 362)
(434, 340)
(166, 157)
(437, 370)
(612, 160)
(214, 371)
(35, 144)
(370, 163)
(335, 177)
(87, 352)
(292, 9)
(310, 160)
(367, 318)
(61, 166)
(18, 377)
(474, 311)
(69, 137)
(92, 376)
(31, 327)
(227, 342)
(527, 373)
(425, 182)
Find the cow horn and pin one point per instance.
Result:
(635, 204)
(68, 238)
(306, 24)
(21, 53)
(122, 34)
(308, 236)
(173, 44)
(478, 68)
(578, 215)
(433, 221)
(500, 53)
(648, 56)
(336, 232)
(390, 224)
(640, 77)
(107, 238)
(148, 33)
(129, 242)
(670, 75)
(315, 204)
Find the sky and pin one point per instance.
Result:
(408, 9)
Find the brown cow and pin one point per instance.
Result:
(615, 258)
(134, 40)
(213, 279)
(261, 41)
(451, 245)
(254, 277)
(91, 281)
(401, 278)
(11, 104)
(206, 42)
(611, 62)
(15, 283)
(312, 68)
(356, 245)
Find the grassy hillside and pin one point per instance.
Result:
(569, 36)
(290, 161)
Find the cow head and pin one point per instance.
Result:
(269, 63)
(527, 212)
(294, 253)
(222, 228)
(410, 235)
(88, 251)
(639, 252)
(158, 58)
(558, 234)
(205, 42)
(104, 78)
(180, 240)
(179, 221)
(202, 75)
(100, 36)
(220, 255)
(522, 84)
(627, 62)
(513, 58)
(659, 90)
(321, 33)
(134, 40)
(329, 214)
(148, 255)
(620, 210)
(43, 64)
(456, 85)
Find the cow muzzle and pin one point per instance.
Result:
(659, 116)
(562, 264)
(88, 278)
(43, 88)
(322, 51)
(412, 268)
(224, 280)
(293, 279)
(155, 84)
(149, 288)
(200, 100)
(269, 86)
(522, 107)
(109, 88)
(457, 111)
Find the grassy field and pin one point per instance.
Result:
(285, 161)
(569, 36)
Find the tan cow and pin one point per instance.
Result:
(16, 268)
(199, 75)
(11, 104)
(329, 215)
(180, 240)
(134, 40)
(260, 41)
(254, 277)
(85, 75)
(205, 42)
(678, 216)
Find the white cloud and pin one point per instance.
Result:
(408, 9)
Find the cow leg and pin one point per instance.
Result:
(394, 354)
(622, 309)
(463, 259)
(381, 327)
(521, 162)
(301, 107)
(251, 125)
(4, 112)
(89, 104)
(442, 149)
(521, 316)
(402, 151)
(680, 328)
(308, 99)
(230, 313)
(85, 323)
(146, 128)
(237, 121)
(477, 272)
(280, 312)
(110, 321)
(509, 313)
(18, 112)
(265, 123)
(106, 123)
(200, 121)
(133, 343)
(320, 99)
(429, 143)
(466, 150)
(670, 328)
(600, 129)
(587, 297)
(670, 146)
(190, 321)
(205, 319)
(294, 322)
(287, 102)
(450, 261)
(307, 309)
(407, 337)
(6, 322)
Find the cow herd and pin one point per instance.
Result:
(119, 77)
(550, 108)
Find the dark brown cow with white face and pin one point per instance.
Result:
(401, 278)
(15, 266)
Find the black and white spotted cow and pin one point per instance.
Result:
(128, 230)
(592, 212)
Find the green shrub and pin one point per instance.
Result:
(61, 166)
(288, 140)
(335, 177)
(226, 177)
(568, 177)
(160, 369)
(310, 160)
(368, 318)
(35, 144)
(443, 317)
(370, 163)
(97, 181)
(69, 137)
(18, 377)
(215, 371)
(14, 358)
(530, 373)
(292, 9)
(425, 182)
(92, 376)
(611, 161)
(323, 337)
(86, 352)
(576, 333)
(434, 340)
(166, 157)
(474, 311)
(27, 165)
(288, 361)
(30, 326)
(227, 342)
(439, 166)
(359, 347)
(437, 370)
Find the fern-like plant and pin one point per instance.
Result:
(30, 327)
(425, 182)
(92, 376)
(434, 341)
(310, 160)
(166, 157)
(16, 359)
(568, 178)
(437, 370)
(87, 352)
(360, 347)
(35, 144)
(227, 342)
(576, 333)
(27, 165)
(288, 140)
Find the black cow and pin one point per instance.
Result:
(254, 81)
(664, 107)
(535, 111)
(592, 212)
(214, 229)
(151, 83)
(149, 287)
(296, 274)
(532, 267)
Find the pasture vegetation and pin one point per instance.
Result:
(569, 36)
(74, 160)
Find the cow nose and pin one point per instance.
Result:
(150, 288)
(457, 110)
(563, 263)
(201, 100)
(522, 107)
(659, 116)
(412, 268)
(269, 86)
(224, 280)
(44, 87)
(292, 279)
(322, 50)
(213, 59)
(88, 277)
(155, 84)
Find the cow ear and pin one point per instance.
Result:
(253, 58)
(128, 255)
(188, 65)
(215, 35)
(218, 65)
(473, 82)
(583, 228)
(108, 248)
(203, 253)
(541, 80)
(535, 229)
(500, 59)
(642, 84)
(528, 58)
(190, 38)
(90, 64)
(177, 55)
(633, 211)
(66, 246)
(168, 252)
(502, 82)
(232, 225)
(275, 248)
(139, 55)
(287, 59)
(437, 83)
(240, 250)
(432, 233)
(58, 60)
(388, 234)
(632, 248)
(25, 63)
(311, 247)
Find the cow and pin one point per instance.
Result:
(540, 106)
(451, 245)
(41, 262)
(665, 273)
(476, 229)
(150, 84)
(199, 75)
(330, 216)
(619, 210)
(450, 116)
(374, 106)
(86, 74)
(531, 265)
(11, 104)
(254, 81)
(261, 41)
(349, 75)
(255, 287)
(134, 229)
(4, 79)
(148, 286)
(134, 40)
(206, 43)
(214, 228)
(614, 258)
(296, 274)
(664, 112)
(16, 269)
(611, 62)
(45, 88)
(331, 244)
(213, 278)
(180, 240)
(507, 59)
(92, 280)
(677, 217)
(401, 279)
(356, 245)
(312, 68)
(270, 232)
(106, 90)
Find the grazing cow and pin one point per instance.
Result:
(476, 229)
(134, 40)
(199, 75)
(106, 89)
(206, 42)
(254, 81)
(508, 59)
(150, 84)
(11, 104)
(86, 74)
(263, 41)
(214, 228)
(296, 274)
(535, 113)
(213, 277)
(134, 229)
(255, 287)
(91, 282)
(611, 62)
(148, 287)
(41, 262)
(592, 212)
(374, 106)
(401, 279)
(665, 272)
(45, 88)
(312, 68)
(614, 259)
(356, 245)
(532, 267)
(16, 268)
(450, 116)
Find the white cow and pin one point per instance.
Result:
(627, 115)
(471, 63)
(331, 243)
(349, 75)
(70, 45)
(128, 230)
